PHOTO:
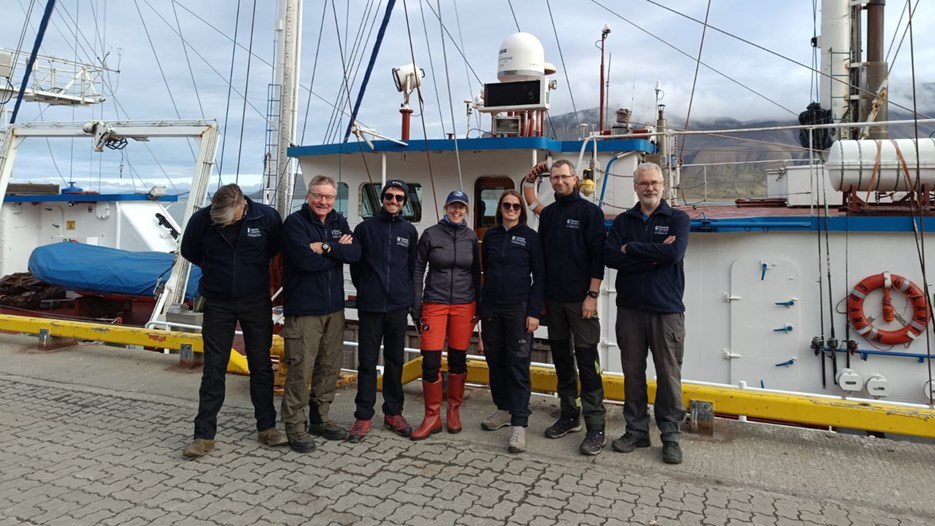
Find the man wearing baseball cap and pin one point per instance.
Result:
(383, 278)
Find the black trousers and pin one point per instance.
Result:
(390, 328)
(220, 320)
(573, 341)
(508, 347)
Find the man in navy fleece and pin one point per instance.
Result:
(572, 233)
(646, 244)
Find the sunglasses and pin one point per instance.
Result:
(399, 198)
(512, 206)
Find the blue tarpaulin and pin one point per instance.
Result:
(81, 267)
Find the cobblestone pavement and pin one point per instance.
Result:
(74, 454)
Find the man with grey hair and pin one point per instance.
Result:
(233, 241)
(317, 242)
(646, 244)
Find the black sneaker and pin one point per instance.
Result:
(671, 453)
(593, 443)
(627, 443)
(328, 430)
(562, 427)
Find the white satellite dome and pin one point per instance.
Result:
(522, 57)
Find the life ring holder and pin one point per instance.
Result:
(531, 186)
(905, 334)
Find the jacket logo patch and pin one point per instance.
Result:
(336, 234)
(517, 240)
(254, 232)
(661, 230)
(572, 223)
(402, 241)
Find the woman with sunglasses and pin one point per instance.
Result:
(513, 292)
(444, 309)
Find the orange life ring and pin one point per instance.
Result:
(905, 334)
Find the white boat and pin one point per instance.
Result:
(767, 287)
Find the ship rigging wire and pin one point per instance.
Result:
(428, 48)
(188, 60)
(162, 72)
(676, 49)
(902, 13)
(230, 87)
(311, 84)
(246, 82)
(353, 60)
(919, 230)
(561, 56)
(828, 77)
(691, 97)
(428, 154)
(19, 45)
(450, 103)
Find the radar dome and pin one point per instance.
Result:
(521, 58)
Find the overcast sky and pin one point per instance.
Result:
(647, 44)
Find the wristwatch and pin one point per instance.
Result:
(326, 247)
(593, 294)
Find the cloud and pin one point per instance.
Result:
(640, 53)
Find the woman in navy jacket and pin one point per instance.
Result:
(514, 274)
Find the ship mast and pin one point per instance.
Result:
(853, 88)
(282, 110)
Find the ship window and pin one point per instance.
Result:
(340, 204)
(370, 201)
(488, 191)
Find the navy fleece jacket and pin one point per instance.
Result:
(514, 271)
(313, 284)
(572, 234)
(383, 276)
(651, 275)
(233, 271)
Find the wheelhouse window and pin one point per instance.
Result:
(370, 201)
(488, 191)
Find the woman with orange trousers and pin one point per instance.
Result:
(445, 308)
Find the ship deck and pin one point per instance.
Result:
(93, 435)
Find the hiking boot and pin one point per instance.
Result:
(627, 443)
(358, 430)
(562, 427)
(397, 424)
(328, 430)
(671, 453)
(299, 439)
(517, 443)
(593, 443)
(496, 420)
(199, 448)
(272, 437)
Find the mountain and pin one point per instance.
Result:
(734, 165)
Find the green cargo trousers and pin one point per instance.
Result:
(313, 350)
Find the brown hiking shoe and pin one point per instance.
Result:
(199, 448)
(299, 439)
(328, 430)
(272, 437)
